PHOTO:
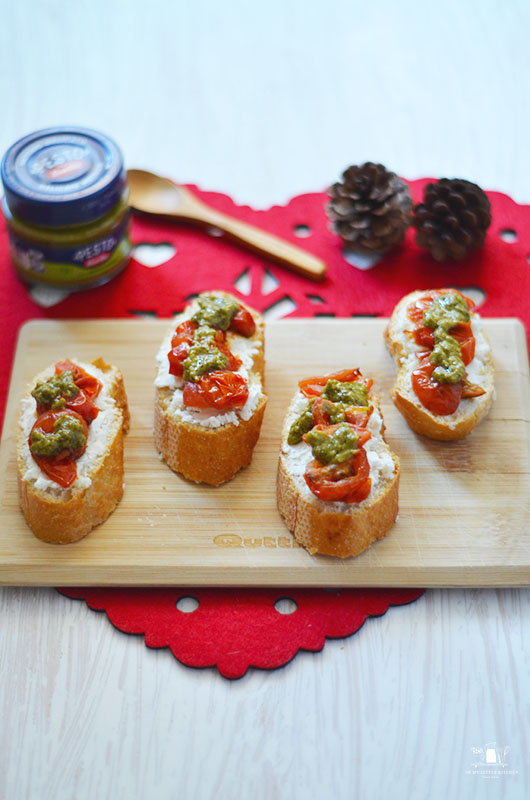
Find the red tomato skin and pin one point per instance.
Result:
(348, 489)
(416, 309)
(218, 389)
(243, 323)
(312, 387)
(82, 403)
(439, 398)
(60, 468)
(90, 385)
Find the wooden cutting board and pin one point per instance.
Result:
(464, 506)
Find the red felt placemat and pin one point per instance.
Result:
(231, 628)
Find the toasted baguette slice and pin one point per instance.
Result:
(206, 445)
(337, 528)
(480, 371)
(60, 515)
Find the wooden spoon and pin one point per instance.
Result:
(152, 194)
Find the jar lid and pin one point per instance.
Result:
(62, 176)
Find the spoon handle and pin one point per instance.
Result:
(262, 242)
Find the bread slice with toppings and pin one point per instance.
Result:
(62, 515)
(479, 374)
(205, 443)
(345, 527)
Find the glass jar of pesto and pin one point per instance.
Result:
(66, 207)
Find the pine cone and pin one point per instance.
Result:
(371, 209)
(453, 218)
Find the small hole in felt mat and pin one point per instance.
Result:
(285, 605)
(187, 604)
(147, 314)
(153, 254)
(268, 283)
(508, 235)
(213, 231)
(242, 282)
(325, 314)
(477, 294)
(47, 296)
(303, 231)
(280, 308)
(362, 260)
(361, 316)
(315, 298)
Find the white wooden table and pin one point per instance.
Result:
(264, 103)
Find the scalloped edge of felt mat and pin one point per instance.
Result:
(321, 622)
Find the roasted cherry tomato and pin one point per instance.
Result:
(81, 404)
(180, 345)
(312, 387)
(217, 389)
(90, 385)
(348, 482)
(472, 390)
(461, 332)
(234, 362)
(416, 309)
(182, 341)
(437, 397)
(243, 323)
(464, 336)
(60, 468)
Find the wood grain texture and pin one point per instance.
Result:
(463, 505)
(264, 102)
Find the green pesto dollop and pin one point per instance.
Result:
(216, 312)
(446, 311)
(205, 334)
(447, 356)
(302, 424)
(54, 391)
(201, 358)
(333, 448)
(350, 393)
(68, 434)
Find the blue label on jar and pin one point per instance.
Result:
(34, 258)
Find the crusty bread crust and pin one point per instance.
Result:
(334, 533)
(420, 419)
(211, 455)
(68, 516)
(335, 529)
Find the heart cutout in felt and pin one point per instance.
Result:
(153, 254)
(235, 628)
